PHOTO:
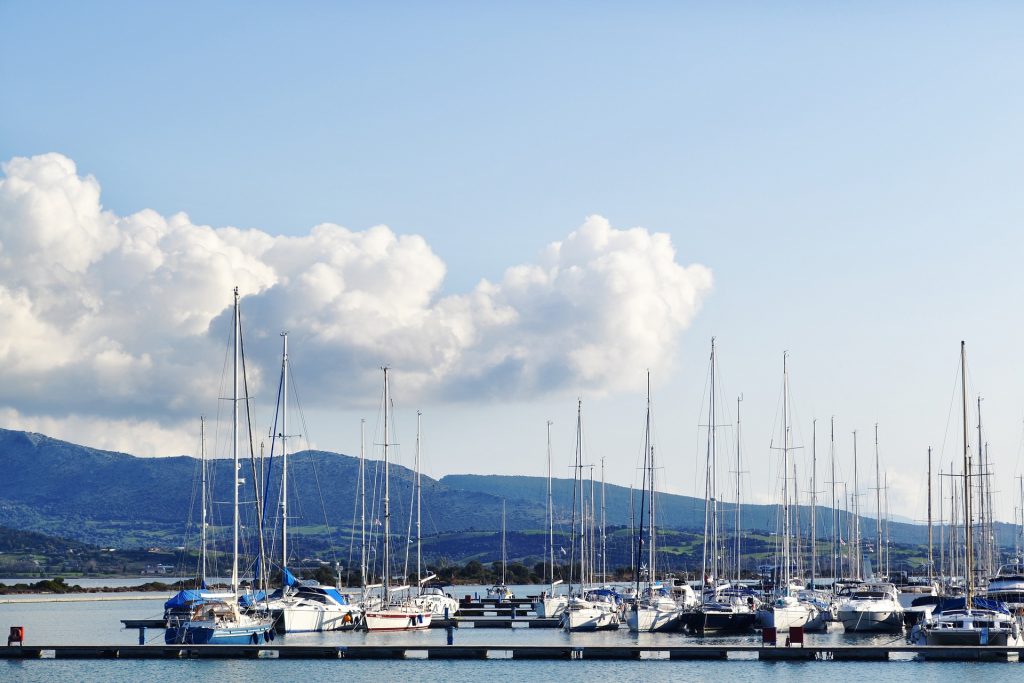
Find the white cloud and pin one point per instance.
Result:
(125, 317)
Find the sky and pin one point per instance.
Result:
(515, 207)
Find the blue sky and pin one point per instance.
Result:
(848, 173)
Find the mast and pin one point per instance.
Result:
(202, 496)
(739, 469)
(855, 561)
(713, 474)
(835, 512)
(551, 514)
(982, 471)
(362, 502)
(814, 501)
(931, 570)
(577, 495)
(284, 453)
(968, 532)
(419, 503)
(604, 526)
(887, 572)
(878, 509)
(234, 448)
(387, 495)
(786, 562)
(653, 533)
(503, 561)
(643, 494)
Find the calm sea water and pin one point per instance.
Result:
(95, 623)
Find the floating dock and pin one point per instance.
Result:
(497, 651)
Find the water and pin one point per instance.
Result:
(98, 623)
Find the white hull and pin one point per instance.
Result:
(652, 619)
(550, 608)
(589, 619)
(867, 621)
(398, 619)
(315, 618)
(783, 618)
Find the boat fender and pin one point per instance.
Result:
(419, 618)
(255, 639)
(347, 619)
(269, 635)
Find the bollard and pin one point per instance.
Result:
(448, 628)
(142, 635)
(17, 636)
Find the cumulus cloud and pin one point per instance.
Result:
(126, 317)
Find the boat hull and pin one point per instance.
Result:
(591, 619)
(206, 635)
(871, 621)
(720, 621)
(388, 620)
(649, 620)
(309, 619)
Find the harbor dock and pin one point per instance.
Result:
(497, 651)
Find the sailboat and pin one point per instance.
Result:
(392, 614)
(580, 613)
(223, 622)
(724, 607)
(787, 610)
(501, 591)
(975, 621)
(550, 605)
(431, 597)
(654, 608)
(302, 606)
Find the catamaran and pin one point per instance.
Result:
(976, 622)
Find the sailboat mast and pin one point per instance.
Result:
(362, 501)
(968, 532)
(234, 447)
(814, 501)
(931, 568)
(419, 503)
(855, 562)
(284, 452)
(551, 513)
(878, 509)
(387, 494)
(577, 495)
(202, 496)
(786, 563)
(713, 474)
(503, 549)
(604, 527)
(835, 512)
(739, 470)
(652, 549)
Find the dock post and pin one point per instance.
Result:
(142, 635)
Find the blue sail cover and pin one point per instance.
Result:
(184, 598)
(949, 604)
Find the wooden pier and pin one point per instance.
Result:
(497, 651)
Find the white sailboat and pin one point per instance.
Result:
(787, 610)
(549, 604)
(501, 591)
(392, 614)
(581, 614)
(223, 622)
(654, 608)
(302, 606)
(430, 598)
(973, 624)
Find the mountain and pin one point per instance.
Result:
(119, 500)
